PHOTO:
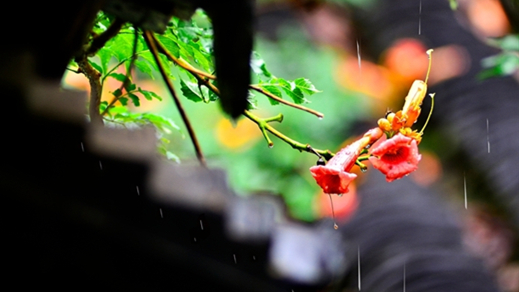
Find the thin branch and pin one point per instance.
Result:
(149, 37)
(96, 88)
(280, 100)
(264, 126)
(78, 71)
(99, 41)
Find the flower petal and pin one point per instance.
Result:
(396, 157)
(332, 180)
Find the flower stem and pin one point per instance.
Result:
(265, 127)
(363, 158)
(429, 54)
(280, 100)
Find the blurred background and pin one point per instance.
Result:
(321, 41)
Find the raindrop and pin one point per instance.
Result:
(358, 54)
(488, 139)
(339, 195)
(271, 145)
(83, 148)
(234, 257)
(358, 265)
(404, 277)
(320, 118)
(320, 161)
(161, 215)
(364, 169)
(333, 212)
(420, 19)
(138, 192)
(201, 225)
(465, 189)
(100, 165)
(194, 239)
(254, 258)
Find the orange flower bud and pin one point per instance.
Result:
(384, 125)
(413, 101)
(390, 117)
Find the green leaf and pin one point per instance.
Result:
(118, 110)
(252, 100)
(96, 66)
(105, 55)
(509, 43)
(155, 95)
(145, 93)
(213, 96)
(170, 43)
(503, 64)
(453, 4)
(164, 140)
(297, 95)
(135, 99)
(118, 76)
(305, 86)
(290, 89)
(161, 123)
(121, 46)
(202, 59)
(123, 101)
(172, 157)
(274, 90)
(130, 87)
(189, 90)
(148, 57)
(117, 92)
(102, 106)
(258, 66)
(144, 67)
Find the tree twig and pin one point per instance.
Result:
(264, 126)
(96, 88)
(149, 37)
(280, 100)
